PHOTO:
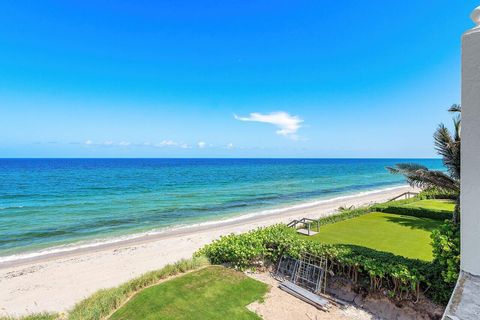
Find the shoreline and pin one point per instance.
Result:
(159, 233)
(55, 282)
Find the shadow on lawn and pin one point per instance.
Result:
(415, 223)
(383, 256)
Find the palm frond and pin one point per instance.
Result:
(449, 147)
(407, 167)
(457, 125)
(455, 108)
(420, 176)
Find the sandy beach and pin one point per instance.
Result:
(55, 282)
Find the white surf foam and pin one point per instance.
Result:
(101, 242)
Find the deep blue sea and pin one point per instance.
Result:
(52, 202)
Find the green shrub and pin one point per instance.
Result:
(438, 290)
(446, 250)
(103, 302)
(446, 260)
(433, 193)
(344, 215)
(248, 249)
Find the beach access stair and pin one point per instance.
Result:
(405, 195)
(304, 226)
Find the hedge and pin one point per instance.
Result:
(399, 208)
(433, 193)
(344, 215)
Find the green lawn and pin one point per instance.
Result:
(211, 293)
(401, 235)
(433, 204)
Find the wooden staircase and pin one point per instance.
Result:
(407, 195)
(305, 225)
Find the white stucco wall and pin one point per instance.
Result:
(470, 175)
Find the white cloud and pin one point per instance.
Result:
(170, 143)
(167, 143)
(202, 144)
(287, 124)
(146, 144)
(230, 146)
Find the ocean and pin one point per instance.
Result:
(47, 203)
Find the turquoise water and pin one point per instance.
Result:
(51, 202)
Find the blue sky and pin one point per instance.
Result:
(227, 78)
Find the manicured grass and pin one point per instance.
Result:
(211, 293)
(399, 234)
(433, 204)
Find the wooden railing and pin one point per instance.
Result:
(305, 222)
(407, 195)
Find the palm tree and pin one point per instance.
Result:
(447, 145)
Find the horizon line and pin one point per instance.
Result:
(213, 158)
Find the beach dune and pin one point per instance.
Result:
(56, 281)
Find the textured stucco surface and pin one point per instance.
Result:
(470, 182)
(465, 302)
